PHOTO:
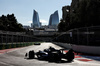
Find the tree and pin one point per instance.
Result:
(87, 14)
(61, 26)
(9, 23)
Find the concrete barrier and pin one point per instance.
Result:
(64, 45)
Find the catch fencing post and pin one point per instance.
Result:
(78, 36)
(87, 36)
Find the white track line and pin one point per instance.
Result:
(6, 64)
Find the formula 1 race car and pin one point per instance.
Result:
(37, 43)
(52, 54)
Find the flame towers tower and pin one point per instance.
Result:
(54, 20)
(36, 22)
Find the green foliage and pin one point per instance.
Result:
(86, 14)
(62, 26)
(9, 23)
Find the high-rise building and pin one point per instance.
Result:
(36, 22)
(54, 20)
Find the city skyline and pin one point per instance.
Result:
(23, 9)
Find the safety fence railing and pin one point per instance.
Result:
(89, 36)
(15, 39)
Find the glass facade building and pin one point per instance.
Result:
(36, 22)
(54, 19)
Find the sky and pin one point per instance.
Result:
(23, 9)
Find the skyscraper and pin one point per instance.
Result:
(36, 22)
(54, 20)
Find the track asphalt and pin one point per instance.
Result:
(79, 56)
